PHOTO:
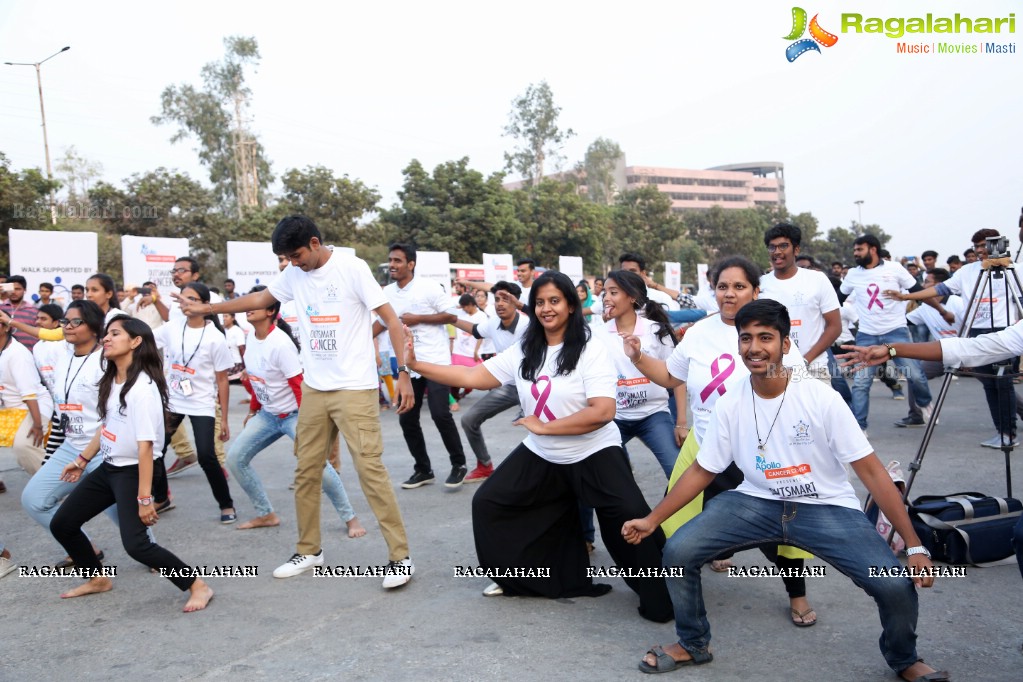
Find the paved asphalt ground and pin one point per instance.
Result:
(439, 627)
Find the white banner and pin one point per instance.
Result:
(571, 266)
(673, 275)
(61, 258)
(701, 275)
(498, 267)
(435, 265)
(250, 263)
(151, 259)
(345, 249)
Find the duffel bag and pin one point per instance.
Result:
(966, 528)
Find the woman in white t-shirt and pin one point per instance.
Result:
(47, 354)
(76, 374)
(195, 362)
(235, 337)
(131, 403)
(526, 514)
(707, 363)
(275, 374)
(99, 289)
(25, 404)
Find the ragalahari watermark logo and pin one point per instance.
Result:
(818, 36)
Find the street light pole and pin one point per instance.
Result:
(859, 208)
(42, 111)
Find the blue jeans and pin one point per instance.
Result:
(864, 377)
(838, 381)
(45, 490)
(259, 433)
(657, 432)
(843, 537)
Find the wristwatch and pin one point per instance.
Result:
(404, 368)
(910, 551)
(891, 350)
(145, 501)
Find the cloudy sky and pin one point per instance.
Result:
(930, 142)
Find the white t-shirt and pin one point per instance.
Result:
(19, 381)
(76, 391)
(503, 339)
(191, 359)
(423, 296)
(993, 297)
(465, 342)
(814, 436)
(637, 397)
(807, 295)
(487, 348)
(706, 300)
(334, 304)
(235, 337)
(707, 359)
(936, 324)
(270, 363)
(46, 355)
(556, 397)
(290, 315)
(141, 421)
(848, 313)
(658, 296)
(878, 315)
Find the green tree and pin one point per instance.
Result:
(598, 168)
(558, 221)
(645, 224)
(456, 209)
(839, 243)
(335, 204)
(24, 204)
(214, 115)
(726, 232)
(533, 122)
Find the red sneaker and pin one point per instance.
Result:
(480, 473)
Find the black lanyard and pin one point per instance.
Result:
(192, 356)
(67, 385)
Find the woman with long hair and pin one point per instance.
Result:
(77, 373)
(132, 401)
(196, 362)
(585, 297)
(275, 375)
(526, 514)
(706, 363)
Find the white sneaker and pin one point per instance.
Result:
(493, 590)
(398, 573)
(926, 413)
(6, 566)
(298, 563)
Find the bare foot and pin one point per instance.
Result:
(266, 521)
(802, 613)
(93, 586)
(201, 594)
(674, 650)
(721, 565)
(355, 529)
(918, 670)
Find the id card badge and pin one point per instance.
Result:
(186, 387)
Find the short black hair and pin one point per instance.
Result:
(953, 259)
(292, 233)
(46, 285)
(767, 312)
(405, 248)
(466, 299)
(808, 259)
(78, 287)
(967, 252)
(598, 279)
(53, 310)
(633, 258)
(745, 264)
(228, 280)
(787, 230)
(939, 274)
(192, 263)
(838, 263)
(526, 261)
(981, 235)
(869, 240)
(929, 253)
(17, 279)
(511, 287)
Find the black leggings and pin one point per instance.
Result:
(437, 400)
(204, 429)
(107, 485)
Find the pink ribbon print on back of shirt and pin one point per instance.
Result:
(541, 398)
(718, 376)
(875, 298)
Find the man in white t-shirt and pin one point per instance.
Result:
(792, 440)
(807, 294)
(425, 308)
(504, 330)
(994, 310)
(525, 272)
(336, 296)
(882, 320)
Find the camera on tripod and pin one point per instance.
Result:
(997, 247)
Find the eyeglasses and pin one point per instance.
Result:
(180, 271)
(785, 246)
(74, 324)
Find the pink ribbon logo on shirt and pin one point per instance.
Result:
(541, 399)
(874, 292)
(718, 376)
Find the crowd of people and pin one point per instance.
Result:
(747, 412)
